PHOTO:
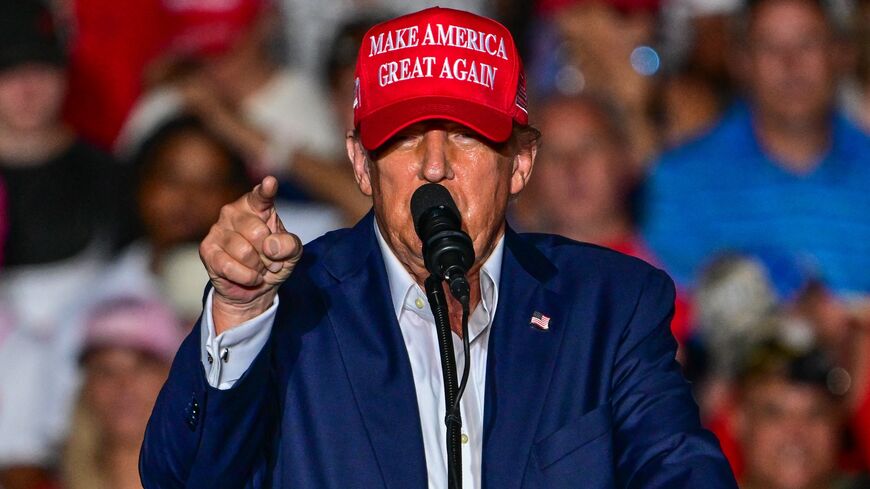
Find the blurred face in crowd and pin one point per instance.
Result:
(583, 170)
(31, 96)
(789, 433)
(479, 174)
(790, 63)
(183, 192)
(121, 386)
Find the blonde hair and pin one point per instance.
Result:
(83, 463)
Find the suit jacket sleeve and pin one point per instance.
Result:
(659, 439)
(199, 436)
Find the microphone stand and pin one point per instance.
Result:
(453, 420)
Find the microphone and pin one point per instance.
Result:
(448, 252)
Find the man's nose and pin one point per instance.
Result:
(792, 56)
(436, 165)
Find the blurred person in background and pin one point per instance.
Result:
(128, 348)
(56, 184)
(585, 175)
(65, 206)
(790, 420)
(584, 182)
(697, 85)
(784, 170)
(738, 291)
(745, 298)
(222, 69)
(603, 47)
(185, 173)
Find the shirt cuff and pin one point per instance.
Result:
(226, 357)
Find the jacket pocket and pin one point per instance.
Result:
(573, 436)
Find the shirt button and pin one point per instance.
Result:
(419, 303)
(464, 439)
(210, 359)
(225, 355)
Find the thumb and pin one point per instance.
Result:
(262, 198)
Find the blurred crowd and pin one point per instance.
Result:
(725, 141)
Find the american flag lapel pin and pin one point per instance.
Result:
(540, 321)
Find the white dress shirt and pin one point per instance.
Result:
(227, 356)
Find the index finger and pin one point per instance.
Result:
(262, 198)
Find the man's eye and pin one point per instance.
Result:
(467, 136)
(406, 139)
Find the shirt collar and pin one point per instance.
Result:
(402, 284)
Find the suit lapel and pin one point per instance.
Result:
(520, 362)
(375, 356)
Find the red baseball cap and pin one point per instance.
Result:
(438, 63)
(209, 27)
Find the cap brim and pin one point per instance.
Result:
(379, 126)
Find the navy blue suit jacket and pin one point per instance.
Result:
(596, 401)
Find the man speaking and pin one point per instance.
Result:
(323, 369)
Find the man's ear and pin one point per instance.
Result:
(360, 162)
(523, 163)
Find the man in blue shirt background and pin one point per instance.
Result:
(783, 170)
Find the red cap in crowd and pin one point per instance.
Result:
(438, 63)
(210, 27)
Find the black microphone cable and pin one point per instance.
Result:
(466, 351)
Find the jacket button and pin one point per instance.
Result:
(191, 417)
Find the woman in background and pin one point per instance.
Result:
(127, 352)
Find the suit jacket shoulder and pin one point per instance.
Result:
(590, 261)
